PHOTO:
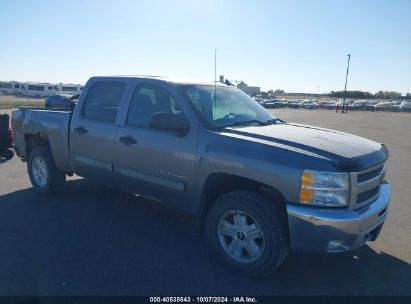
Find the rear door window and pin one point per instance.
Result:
(103, 101)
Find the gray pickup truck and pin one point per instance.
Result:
(257, 185)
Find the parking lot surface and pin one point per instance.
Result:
(92, 240)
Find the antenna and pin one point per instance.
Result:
(215, 73)
(215, 79)
(346, 77)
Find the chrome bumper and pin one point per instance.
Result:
(327, 230)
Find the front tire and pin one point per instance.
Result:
(45, 177)
(248, 232)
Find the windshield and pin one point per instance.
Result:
(230, 107)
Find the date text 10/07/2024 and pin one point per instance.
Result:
(203, 300)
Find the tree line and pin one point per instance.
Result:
(368, 95)
(348, 94)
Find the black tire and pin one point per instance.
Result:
(55, 178)
(8, 154)
(271, 218)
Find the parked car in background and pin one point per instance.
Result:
(370, 106)
(295, 104)
(286, 102)
(260, 101)
(358, 105)
(308, 104)
(405, 106)
(384, 106)
(61, 101)
(327, 104)
(274, 104)
(268, 104)
(396, 105)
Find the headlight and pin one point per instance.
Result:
(328, 189)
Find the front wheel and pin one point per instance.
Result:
(45, 177)
(248, 232)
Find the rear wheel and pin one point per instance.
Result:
(8, 154)
(248, 233)
(45, 177)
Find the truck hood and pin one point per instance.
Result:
(330, 144)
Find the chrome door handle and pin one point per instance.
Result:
(128, 140)
(80, 130)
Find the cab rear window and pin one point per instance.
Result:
(103, 101)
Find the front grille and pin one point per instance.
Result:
(365, 185)
(362, 197)
(369, 175)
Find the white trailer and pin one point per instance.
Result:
(72, 89)
(9, 87)
(38, 89)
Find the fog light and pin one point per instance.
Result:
(337, 246)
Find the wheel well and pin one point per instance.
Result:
(218, 184)
(35, 140)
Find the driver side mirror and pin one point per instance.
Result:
(171, 122)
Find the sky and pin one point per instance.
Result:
(297, 46)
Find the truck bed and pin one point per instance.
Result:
(34, 124)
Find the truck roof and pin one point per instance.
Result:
(180, 81)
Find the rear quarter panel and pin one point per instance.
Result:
(52, 124)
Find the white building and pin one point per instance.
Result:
(250, 90)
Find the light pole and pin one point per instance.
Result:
(345, 88)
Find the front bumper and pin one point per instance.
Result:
(327, 230)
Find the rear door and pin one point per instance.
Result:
(93, 130)
(154, 162)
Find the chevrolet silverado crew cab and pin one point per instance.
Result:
(258, 186)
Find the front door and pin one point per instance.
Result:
(150, 161)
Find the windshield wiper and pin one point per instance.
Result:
(247, 122)
(274, 121)
(254, 121)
